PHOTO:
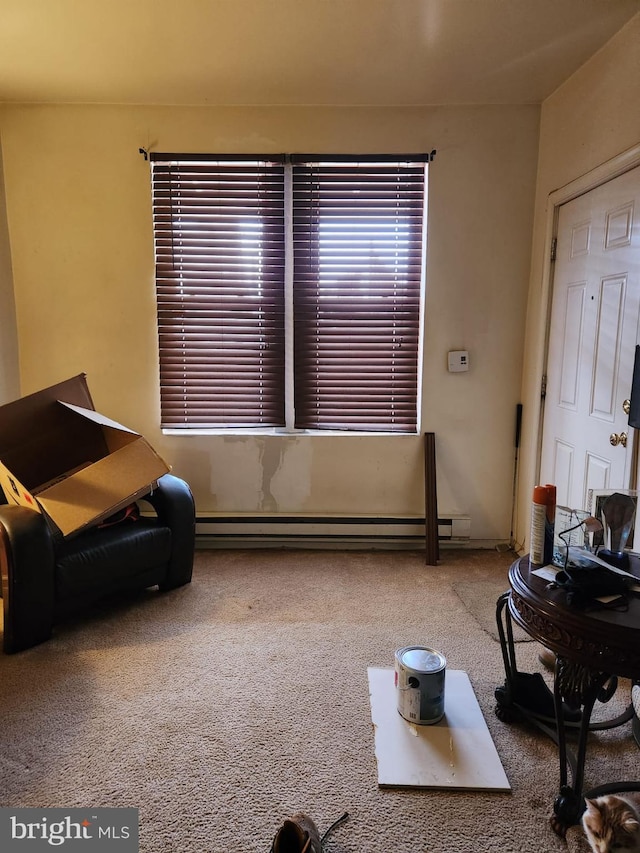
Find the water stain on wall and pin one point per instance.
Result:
(261, 474)
(286, 474)
(271, 458)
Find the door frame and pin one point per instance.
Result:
(602, 174)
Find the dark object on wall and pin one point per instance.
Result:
(45, 578)
(430, 500)
(634, 410)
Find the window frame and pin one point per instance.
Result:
(288, 424)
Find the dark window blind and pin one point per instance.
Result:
(219, 244)
(358, 238)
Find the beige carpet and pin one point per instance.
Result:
(222, 707)
(480, 597)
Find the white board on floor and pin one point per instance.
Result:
(457, 753)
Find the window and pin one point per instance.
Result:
(289, 291)
(219, 238)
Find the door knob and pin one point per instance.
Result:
(615, 439)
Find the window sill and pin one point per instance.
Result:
(283, 433)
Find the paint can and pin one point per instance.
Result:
(419, 680)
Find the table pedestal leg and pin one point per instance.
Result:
(580, 688)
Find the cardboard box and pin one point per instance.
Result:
(62, 458)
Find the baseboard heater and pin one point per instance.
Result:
(245, 531)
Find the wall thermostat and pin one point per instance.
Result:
(458, 361)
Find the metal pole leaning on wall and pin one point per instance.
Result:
(430, 500)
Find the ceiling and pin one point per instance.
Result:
(295, 52)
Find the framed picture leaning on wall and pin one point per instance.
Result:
(617, 510)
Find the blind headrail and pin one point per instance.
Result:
(170, 157)
(362, 158)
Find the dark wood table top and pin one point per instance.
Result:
(606, 641)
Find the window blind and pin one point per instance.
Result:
(358, 247)
(219, 246)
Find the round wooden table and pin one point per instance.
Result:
(593, 648)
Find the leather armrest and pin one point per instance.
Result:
(175, 508)
(27, 566)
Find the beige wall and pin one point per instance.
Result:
(78, 202)
(9, 375)
(591, 119)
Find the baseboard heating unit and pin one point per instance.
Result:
(301, 531)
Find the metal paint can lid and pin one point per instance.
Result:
(422, 659)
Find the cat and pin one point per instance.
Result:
(612, 823)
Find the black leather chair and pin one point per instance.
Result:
(45, 579)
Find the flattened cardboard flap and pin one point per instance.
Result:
(99, 490)
(96, 417)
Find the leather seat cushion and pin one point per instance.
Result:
(111, 556)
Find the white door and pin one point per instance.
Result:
(594, 329)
